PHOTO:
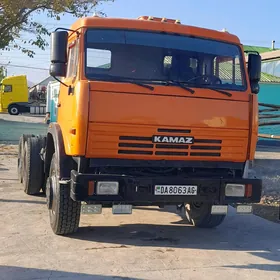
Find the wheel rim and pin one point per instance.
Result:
(20, 162)
(23, 168)
(14, 110)
(51, 192)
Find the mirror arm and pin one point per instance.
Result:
(249, 51)
(60, 82)
(66, 29)
(70, 89)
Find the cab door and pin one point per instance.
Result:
(6, 96)
(67, 99)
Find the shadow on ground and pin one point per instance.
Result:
(22, 273)
(3, 168)
(267, 211)
(22, 201)
(237, 233)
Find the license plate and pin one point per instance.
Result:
(175, 190)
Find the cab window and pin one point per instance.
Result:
(72, 64)
(8, 88)
(228, 70)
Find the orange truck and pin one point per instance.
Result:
(151, 112)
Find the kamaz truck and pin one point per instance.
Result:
(150, 112)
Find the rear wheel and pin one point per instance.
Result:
(199, 215)
(63, 211)
(13, 110)
(33, 176)
(22, 141)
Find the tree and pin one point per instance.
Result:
(2, 73)
(17, 16)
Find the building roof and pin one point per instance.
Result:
(267, 78)
(226, 74)
(258, 49)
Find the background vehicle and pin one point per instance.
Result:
(150, 112)
(15, 98)
(13, 94)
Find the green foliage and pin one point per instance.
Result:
(2, 73)
(16, 16)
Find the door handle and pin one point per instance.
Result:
(58, 105)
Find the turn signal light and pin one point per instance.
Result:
(248, 190)
(90, 187)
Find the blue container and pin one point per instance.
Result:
(52, 100)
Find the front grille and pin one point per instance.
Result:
(135, 145)
(213, 148)
(142, 145)
(135, 152)
(167, 153)
(205, 154)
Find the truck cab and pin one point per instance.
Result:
(13, 90)
(151, 112)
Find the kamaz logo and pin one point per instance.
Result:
(173, 139)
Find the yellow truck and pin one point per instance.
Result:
(14, 95)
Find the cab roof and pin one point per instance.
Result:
(146, 23)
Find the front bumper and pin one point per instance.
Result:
(139, 191)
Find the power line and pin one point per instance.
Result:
(21, 66)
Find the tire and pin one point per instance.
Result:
(63, 211)
(22, 141)
(14, 110)
(42, 143)
(199, 215)
(33, 166)
(20, 159)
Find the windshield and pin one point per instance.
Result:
(155, 58)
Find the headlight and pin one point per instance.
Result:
(107, 188)
(235, 190)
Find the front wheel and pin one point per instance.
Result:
(13, 110)
(199, 215)
(63, 211)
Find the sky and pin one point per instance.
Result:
(255, 22)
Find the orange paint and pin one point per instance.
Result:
(100, 112)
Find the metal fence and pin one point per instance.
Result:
(269, 115)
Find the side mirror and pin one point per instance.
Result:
(254, 71)
(59, 40)
(58, 69)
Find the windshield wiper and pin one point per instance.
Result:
(179, 84)
(112, 78)
(139, 84)
(221, 91)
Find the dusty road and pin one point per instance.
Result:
(11, 127)
(150, 244)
